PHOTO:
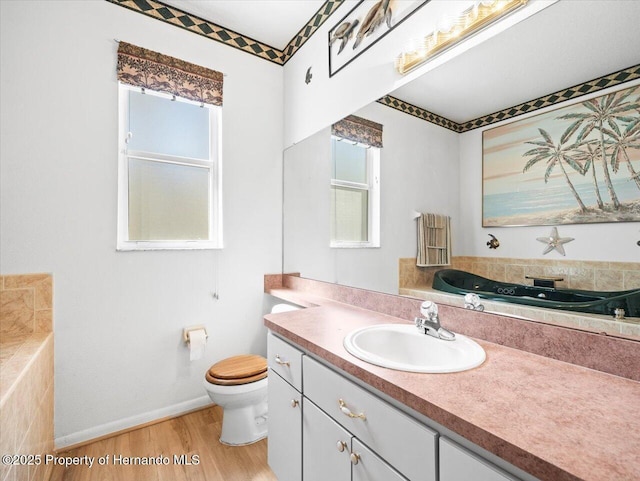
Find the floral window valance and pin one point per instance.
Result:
(144, 68)
(359, 130)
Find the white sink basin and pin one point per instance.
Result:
(404, 348)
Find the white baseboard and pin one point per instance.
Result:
(130, 422)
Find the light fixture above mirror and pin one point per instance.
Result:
(452, 30)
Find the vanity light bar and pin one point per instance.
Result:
(471, 20)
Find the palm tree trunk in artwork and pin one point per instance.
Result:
(607, 177)
(595, 184)
(573, 189)
(634, 175)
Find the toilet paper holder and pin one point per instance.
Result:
(187, 330)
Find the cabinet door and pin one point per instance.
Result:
(457, 463)
(285, 429)
(325, 446)
(366, 466)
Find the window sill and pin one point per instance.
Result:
(353, 245)
(164, 246)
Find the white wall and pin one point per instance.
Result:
(309, 108)
(119, 358)
(418, 171)
(615, 242)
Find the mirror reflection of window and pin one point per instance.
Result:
(355, 193)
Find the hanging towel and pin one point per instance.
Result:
(434, 240)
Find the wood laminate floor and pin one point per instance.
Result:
(196, 433)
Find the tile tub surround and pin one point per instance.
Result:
(26, 371)
(555, 420)
(26, 304)
(586, 275)
(417, 281)
(26, 403)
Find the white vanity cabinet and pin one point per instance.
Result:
(332, 453)
(285, 410)
(457, 463)
(323, 426)
(404, 443)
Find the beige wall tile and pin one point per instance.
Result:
(24, 280)
(582, 278)
(17, 311)
(44, 320)
(8, 430)
(480, 268)
(607, 280)
(44, 293)
(41, 283)
(11, 476)
(497, 272)
(514, 274)
(595, 265)
(631, 279)
(625, 266)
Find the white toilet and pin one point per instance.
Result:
(239, 385)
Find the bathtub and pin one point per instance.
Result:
(26, 402)
(605, 302)
(26, 375)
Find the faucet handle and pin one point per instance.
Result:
(429, 310)
(472, 301)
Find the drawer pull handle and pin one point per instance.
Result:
(345, 409)
(295, 403)
(355, 458)
(341, 446)
(281, 362)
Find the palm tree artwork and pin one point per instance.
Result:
(620, 141)
(607, 110)
(557, 155)
(579, 163)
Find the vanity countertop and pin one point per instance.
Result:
(554, 420)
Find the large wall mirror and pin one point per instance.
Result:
(428, 168)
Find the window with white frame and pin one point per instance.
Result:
(355, 194)
(169, 190)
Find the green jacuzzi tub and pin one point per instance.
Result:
(461, 282)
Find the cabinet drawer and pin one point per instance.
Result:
(457, 463)
(285, 360)
(403, 442)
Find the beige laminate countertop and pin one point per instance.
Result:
(554, 420)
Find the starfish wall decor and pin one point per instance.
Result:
(554, 242)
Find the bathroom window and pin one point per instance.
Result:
(169, 172)
(355, 194)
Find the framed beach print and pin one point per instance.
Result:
(364, 25)
(577, 164)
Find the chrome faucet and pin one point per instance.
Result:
(430, 323)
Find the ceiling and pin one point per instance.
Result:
(274, 22)
(565, 44)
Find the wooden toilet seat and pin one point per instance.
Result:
(237, 370)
